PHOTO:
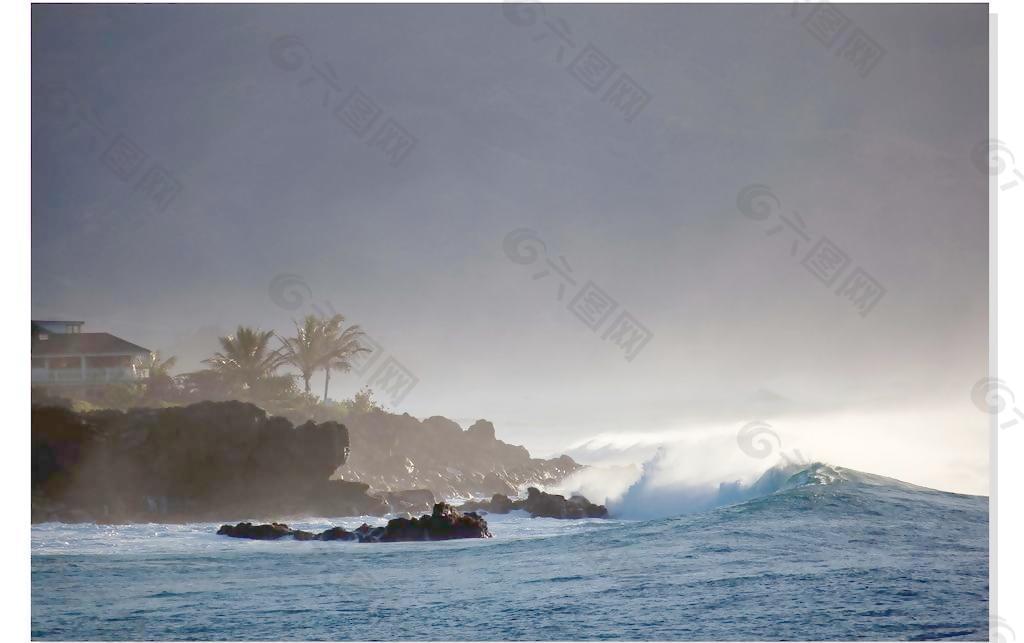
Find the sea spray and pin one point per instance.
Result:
(688, 474)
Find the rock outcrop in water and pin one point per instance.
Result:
(394, 452)
(205, 461)
(273, 531)
(444, 523)
(540, 505)
(549, 505)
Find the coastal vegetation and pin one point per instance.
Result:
(251, 365)
(215, 460)
(256, 379)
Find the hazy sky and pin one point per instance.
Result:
(185, 156)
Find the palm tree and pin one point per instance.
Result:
(305, 351)
(157, 366)
(158, 379)
(246, 357)
(341, 344)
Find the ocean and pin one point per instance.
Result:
(822, 553)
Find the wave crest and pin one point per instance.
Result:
(650, 497)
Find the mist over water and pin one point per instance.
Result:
(273, 184)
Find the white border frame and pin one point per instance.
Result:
(1006, 351)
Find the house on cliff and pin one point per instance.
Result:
(62, 355)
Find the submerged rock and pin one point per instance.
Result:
(498, 504)
(273, 531)
(540, 505)
(444, 523)
(336, 533)
(549, 505)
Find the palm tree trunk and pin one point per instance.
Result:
(327, 381)
(305, 378)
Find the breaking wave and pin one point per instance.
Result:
(658, 489)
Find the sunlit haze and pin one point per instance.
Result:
(278, 207)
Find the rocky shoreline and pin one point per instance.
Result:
(396, 452)
(444, 523)
(215, 461)
(202, 462)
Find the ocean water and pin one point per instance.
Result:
(825, 553)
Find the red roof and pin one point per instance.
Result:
(83, 344)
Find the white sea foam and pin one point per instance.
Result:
(684, 475)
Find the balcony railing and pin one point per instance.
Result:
(88, 375)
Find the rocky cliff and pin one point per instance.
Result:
(232, 460)
(205, 461)
(393, 452)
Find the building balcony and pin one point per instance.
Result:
(117, 374)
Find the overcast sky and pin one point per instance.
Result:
(185, 156)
